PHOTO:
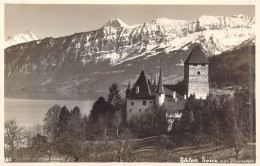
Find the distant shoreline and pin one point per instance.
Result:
(36, 95)
(29, 112)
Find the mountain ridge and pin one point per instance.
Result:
(116, 53)
(25, 36)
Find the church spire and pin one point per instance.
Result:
(160, 88)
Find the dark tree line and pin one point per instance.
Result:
(218, 120)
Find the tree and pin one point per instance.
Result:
(153, 122)
(63, 121)
(75, 121)
(239, 140)
(122, 148)
(91, 130)
(39, 146)
(118, 121)
(38, 143)
(101, 117)
(188, 114)
(14, 137)
(121, 152)
(237, 108)
(70, 145)
(28, 137)
(51, 122)
(114, 98)
(71, 139)
(100, 107)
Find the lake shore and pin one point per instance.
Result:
(30, 112)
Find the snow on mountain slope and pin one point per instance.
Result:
(215, 33)
(116, 23)
(214, 42)
(72, 62)
(23, 37)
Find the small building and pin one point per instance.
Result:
(144, 94)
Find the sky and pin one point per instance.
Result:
(55, 20)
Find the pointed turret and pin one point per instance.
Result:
(128, 90)
(128, 87)
(160, 94)
(160, 89)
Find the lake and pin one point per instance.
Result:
(30, 112)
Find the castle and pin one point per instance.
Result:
(144, 94)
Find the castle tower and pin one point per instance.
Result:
(196, 71)
(160, 94)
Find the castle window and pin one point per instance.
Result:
(140, 110)
(198, 72)
(137, 90)
(150, 102)
(132, 103)
(144, 102)
(130, 110)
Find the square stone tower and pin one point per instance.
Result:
(196, 74)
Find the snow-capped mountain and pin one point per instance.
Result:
(116, 23)
(117, 52)
(23, 37)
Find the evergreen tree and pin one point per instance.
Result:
(71, 140)
(114, 97)
(63, 120)
(101, 117)
(188, 114)
(100, 107)
(75, 122)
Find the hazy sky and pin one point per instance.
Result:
(60, 20)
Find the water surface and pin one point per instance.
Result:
(30, 112)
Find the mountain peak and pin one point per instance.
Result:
(25, 36)
(116, 23)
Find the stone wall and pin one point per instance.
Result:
(197, 80)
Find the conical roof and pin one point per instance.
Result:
(160, 89)
(142, 83)
(128, 87)
(196, 56)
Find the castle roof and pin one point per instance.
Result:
(196, 56)
(149, 91)
(142, 83)
(179, 89)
